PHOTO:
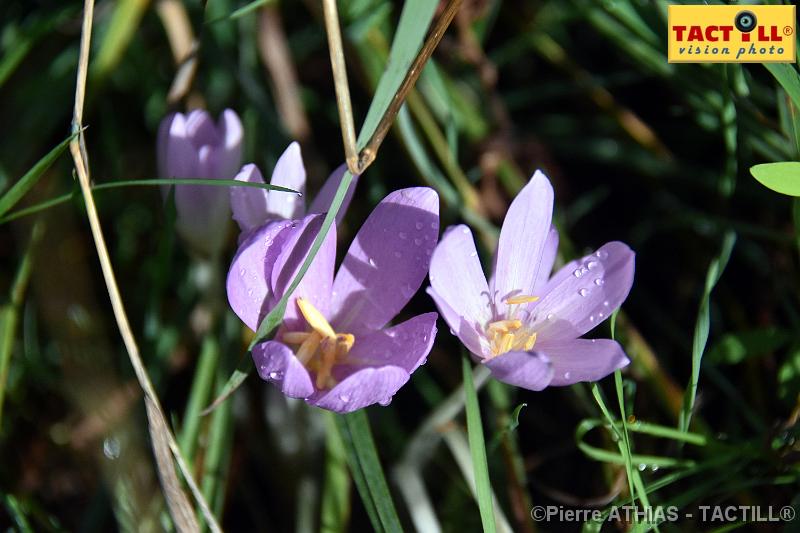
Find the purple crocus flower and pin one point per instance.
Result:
(254, 207)
(333, 348)
(192, 146)
(523, 326)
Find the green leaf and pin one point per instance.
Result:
(118, 34)
(367, 472)
(20, 188)
(411, 31)
(734, 348)
(782, 177)
(789, 79)
(335, 507)
(477, 446)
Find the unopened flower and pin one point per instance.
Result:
(192, 146)
(525, 325)
(333, 348)
(253, 207)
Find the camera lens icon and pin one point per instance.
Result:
(745, 21)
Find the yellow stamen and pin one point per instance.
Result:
(309, 346)
(504, 326)
(327, 362)
(295, 337)
(506, 342)
(315, 318)
(521, 299)
(530, 342)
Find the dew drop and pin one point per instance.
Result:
(371, 262)
(600, 315)
(344, 397)
(452, 332)
(599, 282)
(606, 304)
(551, 316)
(386, 401)
(577, 273)
(418, 225)
(642, 467)
(275, 375)
(433, 225)
(402, 235)
(583, 292)
(418, 241)
(591, 318)
(242, 272)
(602, 254)
(111, 448)
(591, 264)
(465, 231)
(567, 375)
(473, 254)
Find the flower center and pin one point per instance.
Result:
(510, 334)
(321, 348)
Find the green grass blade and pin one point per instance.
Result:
(198, 396)
(367, 472)
(411, 31)
(702, 327)
(477, 448)
(335, 509)
(789, 79)
(119, 33)
(26, 182)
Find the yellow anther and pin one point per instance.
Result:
(504, 326)
(345, 341)
(530, 342)
(506, 342)
(309, 347)
(521, 299)
(326, 363)
(295, 337)
(315, 318)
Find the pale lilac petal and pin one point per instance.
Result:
(316, 284)
(584, 293)
(405, 345)
(548, 260)
(229, 151)
(322, 202)
(457, 277)
(460, 327)
(276, 363)
(522, 239)
(181, 159)
(289, 172)
(249, 205)
(529, 370)
(360, 389)
(387, 261)
(247, 285)
(582, 359)
(200, 128)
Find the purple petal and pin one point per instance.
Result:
(584, 293)
(529, 370)
(289, 172)
(162, 144)
(360, 389)
(548, 260)
(248, 287)
(180, 157)
(465, 290)
(275, 362)
(249, 205)
(405, 345)
(522, 239)
(583, 359)
(466, 332)
(322, 202)
(387, 261)
(316, 284)
(229, 150)
(201, 130)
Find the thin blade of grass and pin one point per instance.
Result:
(788, 77)
(335, 508)
(26, 182)
(703, 326)
(477, 448)
(367, 471)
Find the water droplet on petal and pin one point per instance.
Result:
(418, 225)
(452, 332)
(551, 316)
(591, 318)
(606, 304)
(344, 397)
(386, 401)
(275, 375)
(371, 262)
(402, 235)
(583, 292)
(473, 254)
(600, 315)
(577, 273)
(599, 282)
(465, 231)
(602, 254)
(417, 241)
(591, 264)
(567, 375)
